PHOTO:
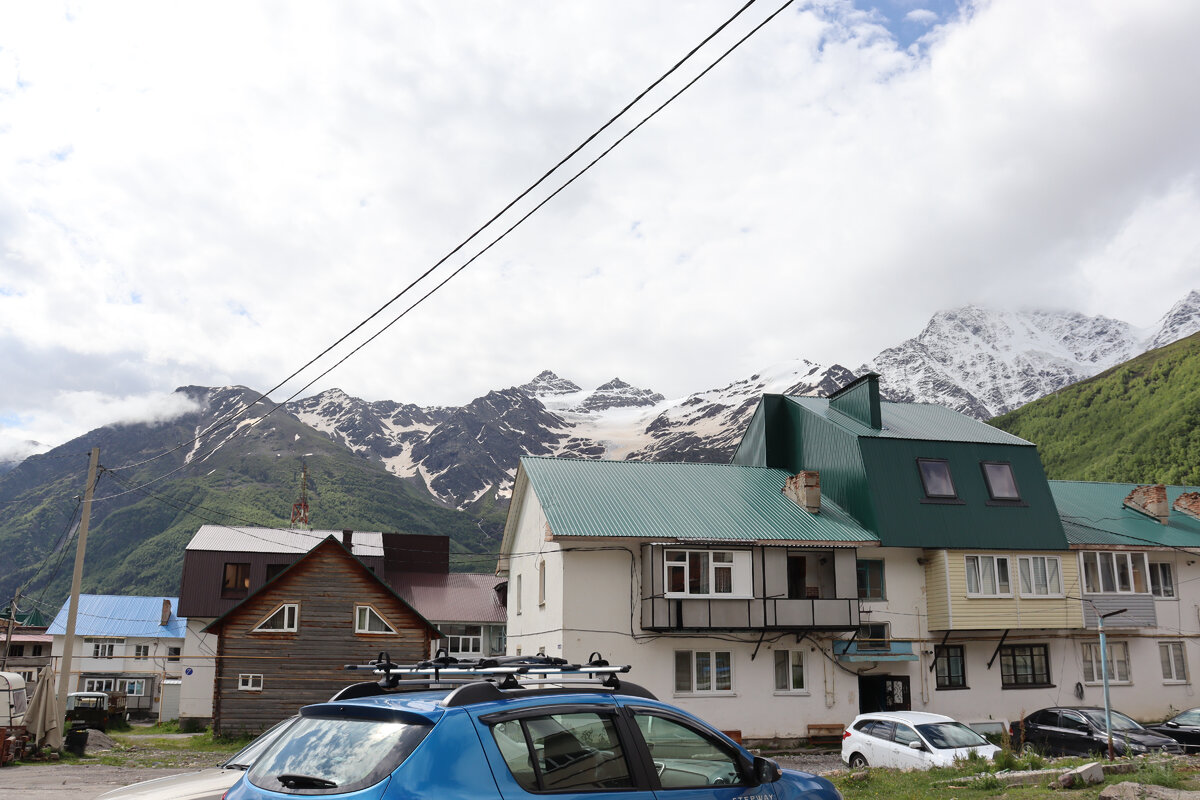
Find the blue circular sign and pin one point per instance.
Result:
(187, 671)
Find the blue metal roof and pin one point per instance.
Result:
(121, 615)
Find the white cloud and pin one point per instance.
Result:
(921, 16)
(212, 193)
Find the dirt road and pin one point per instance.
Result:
(75, 781)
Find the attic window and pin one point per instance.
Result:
(235, 581)
(935, 477)
(1000, 481)
(367, 620)
(282, 620)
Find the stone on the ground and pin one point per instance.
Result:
(1128, 790)
(1085, 775)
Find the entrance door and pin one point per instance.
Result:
(883, 693)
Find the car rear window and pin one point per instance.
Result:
(322, 755)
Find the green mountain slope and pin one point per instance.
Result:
(144, 514)
(1137, 422)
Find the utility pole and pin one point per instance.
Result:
(64, 677)
(12, 623)
(1104, 671)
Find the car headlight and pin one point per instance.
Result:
(1134, 747)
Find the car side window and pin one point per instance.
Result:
(905, 734)
(1045, 718)
(883, 729)
(563, 752)
(685, 757)
(1074, 722)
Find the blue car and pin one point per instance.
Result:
(499, 729)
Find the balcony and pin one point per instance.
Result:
(749, 614)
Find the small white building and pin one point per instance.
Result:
(125, 644)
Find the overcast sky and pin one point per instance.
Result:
(211, 193)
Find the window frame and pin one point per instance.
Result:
(359, 608)
(124, 684)
(859, 572)
(100, 685)
(995, 559)
(1130, 558)
(945, 653)
(991, 490)
(739, 568)
(702, 732)
(1164, 569)
(790, 671)
(282, 608)
(1008, 673)
(541, 567)
(174, 653)
(713, 673)
(141, 652)
(1033, 593)
(1173, 647)
(460, 633)
(247, 682)
(241, 575)
(931, 497)
(874, 644)
(103, 647)
(1089, 655)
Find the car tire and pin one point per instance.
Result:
(858, 761)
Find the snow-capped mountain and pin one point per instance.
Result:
(979, 361)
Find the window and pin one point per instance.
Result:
(173, 653)
(987, 576)
(1118, 662)
(103, 648)
(134, 687)
(1041, 576)
(679, 748)
(99, 685)
(870, 579)
(789, 670)
(950, 665)
(37, 650)
(565, 753)
(367, 620)
(1174, 663)
(281, 620)
(250, 682)
(708, 573)
(1001, 484)
(16, 651)
(703, 671)
(274, 569)
(935, 478)
(518, 593)
(1162, 580)
(1024, 665)
(141, 651)
(27, 675)
(873, 636)
(1120, 573)
(904, 735)
(463, 640)
(542, 582)
(236, 580)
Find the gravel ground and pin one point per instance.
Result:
(819, 762)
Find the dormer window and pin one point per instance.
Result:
(1001, 484)
(935, 477)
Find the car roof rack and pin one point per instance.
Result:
(482, 679)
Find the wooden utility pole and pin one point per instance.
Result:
(64, 677)
(12, 623)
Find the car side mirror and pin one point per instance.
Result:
(766, 770)
(915, 745)
(1172, 724)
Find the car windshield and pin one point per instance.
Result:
(948, 735)
(1190, 717)
(243, 758)
(1120, 722)
(319, 755)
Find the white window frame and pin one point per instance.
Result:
(141, 652)
(794, 661)
(695, 657)
(737, 563)
(1090, 655)
(99, 684)
(1166, 588)
(996, 589)
(134, 687)
(456, 636)
(1116, 558)
(1025, 570)
(362, 621)
(1166, 653)
(541, 582)
(104, 648)
(291, 619)
(250, 682)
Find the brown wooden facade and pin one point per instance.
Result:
(306, 666)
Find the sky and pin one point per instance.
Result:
(214, 193)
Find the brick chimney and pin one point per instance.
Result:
(348, 539)
(1188, 503)
(1149, 500)
(804, 489)
(165, 617)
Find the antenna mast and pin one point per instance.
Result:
(300, 508)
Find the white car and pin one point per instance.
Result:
(910, 740)
(204, 784)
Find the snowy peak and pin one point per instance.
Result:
(547, 384)
(1182, 320)
(618, 394)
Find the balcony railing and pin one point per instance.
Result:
(749, 614)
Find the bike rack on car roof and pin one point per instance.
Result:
(483, 679)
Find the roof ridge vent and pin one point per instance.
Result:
(859, 400)
(1149, 500)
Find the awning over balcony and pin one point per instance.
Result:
(874, 651)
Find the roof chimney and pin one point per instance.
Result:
(859, 400)
(804, 489)
(166, 612)
(1149, 500)
(348, 539)
(1188, 503)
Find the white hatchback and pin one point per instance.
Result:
(910, 740)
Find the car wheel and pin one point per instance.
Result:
(858, 761)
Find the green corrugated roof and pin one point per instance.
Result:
(913, 421)
(667, 501)
(1093, 514)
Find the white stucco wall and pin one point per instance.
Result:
(199, 672)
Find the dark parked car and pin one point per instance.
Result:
(1184, 728)
(1081, 732)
